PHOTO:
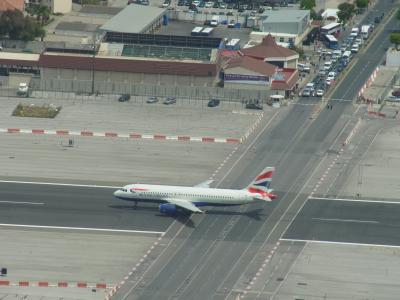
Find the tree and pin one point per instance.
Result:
(395, 39)
(307, 4)
(362, 3)
(314, 15)
(398, 14)
(14, 25)
(346, 11)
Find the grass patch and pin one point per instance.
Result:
(35, 111)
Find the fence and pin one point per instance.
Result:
(75, 87)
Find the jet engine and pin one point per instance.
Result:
(168, 208)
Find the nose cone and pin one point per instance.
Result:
(117, 193)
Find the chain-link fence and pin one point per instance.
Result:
(72, 89)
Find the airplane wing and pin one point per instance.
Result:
(184, 204)
(204, 184)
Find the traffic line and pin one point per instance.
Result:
(109, 134)
(346, 220)
(339, 243)
(60, 284)
(22, 202)
(82, 228)
(355, 200)
(60, 184)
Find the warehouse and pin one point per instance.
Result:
(136, 18)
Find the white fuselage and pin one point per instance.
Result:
(197, 195)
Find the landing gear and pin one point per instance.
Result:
(135, 205)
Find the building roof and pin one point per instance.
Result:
(11, 5)
(125, 64)
(133, 19)
(288, 80)
(284, 15)
(268, 49)
(252, 64)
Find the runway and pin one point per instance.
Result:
(347, 221)
(75, 207)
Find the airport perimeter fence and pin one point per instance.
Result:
(82, 90)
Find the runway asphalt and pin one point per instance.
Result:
(220, 255)
(374, 223)
(73, 206)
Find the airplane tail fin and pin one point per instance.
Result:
(260, 186)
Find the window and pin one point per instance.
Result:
(281, 39)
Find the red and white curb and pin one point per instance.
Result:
(158, 137)
(60, 284)
(369, 82)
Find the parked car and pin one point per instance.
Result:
(253, 106)
(306, 93)
(213, 103)
(396, 93)
(152, 99)
(231, 24)
(170, 100)
(23, 89)
(209, 4)
(320, 93)
(124, 98)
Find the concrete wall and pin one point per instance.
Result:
(61, 6)
(201, 17)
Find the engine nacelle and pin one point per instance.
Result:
(168, 208)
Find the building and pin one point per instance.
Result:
(269, 51)
(147, 19)
(55, 6)
(12, 5)
(243, 72)
(290, 21)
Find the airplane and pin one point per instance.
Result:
(173, 199)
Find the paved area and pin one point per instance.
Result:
(184, 118)
(378, 87)
(325, 271)
(67, 257)
(165, 162)
(376, 175)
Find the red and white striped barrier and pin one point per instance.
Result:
(60, 284)
(86, 133)
(369, 82)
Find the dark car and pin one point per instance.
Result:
(207, 22)
(230, 6)
(240, 10)
(124, 98)
(229, 13)
(170, 100)
(254, 106)
(213, 103)
(396, 93)
(216, 5)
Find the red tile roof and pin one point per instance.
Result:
(11, 5)
(268, 48)
(290, 77)
(128, 65)
(252, 64)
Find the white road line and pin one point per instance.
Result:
(81, 228)
(60, 184)
(339, 243)
(345, 220)
(355, 200)
(16, 202)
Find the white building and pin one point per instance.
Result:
(55, 6)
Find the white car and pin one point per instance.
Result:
(331, 76)
(23, 88)
(354, 49)
(209, 4)
(320, 93)
(196, 3)
(328, 81)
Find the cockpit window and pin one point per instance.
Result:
(124, 190)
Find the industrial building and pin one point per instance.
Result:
(136, 18)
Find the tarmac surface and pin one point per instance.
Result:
(347, 221)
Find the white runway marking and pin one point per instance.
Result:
(356, 200)
(24, 203)
(339, 243)
(346, 220)
(61, 184)
(82, 228)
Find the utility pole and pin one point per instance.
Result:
(93, 57)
